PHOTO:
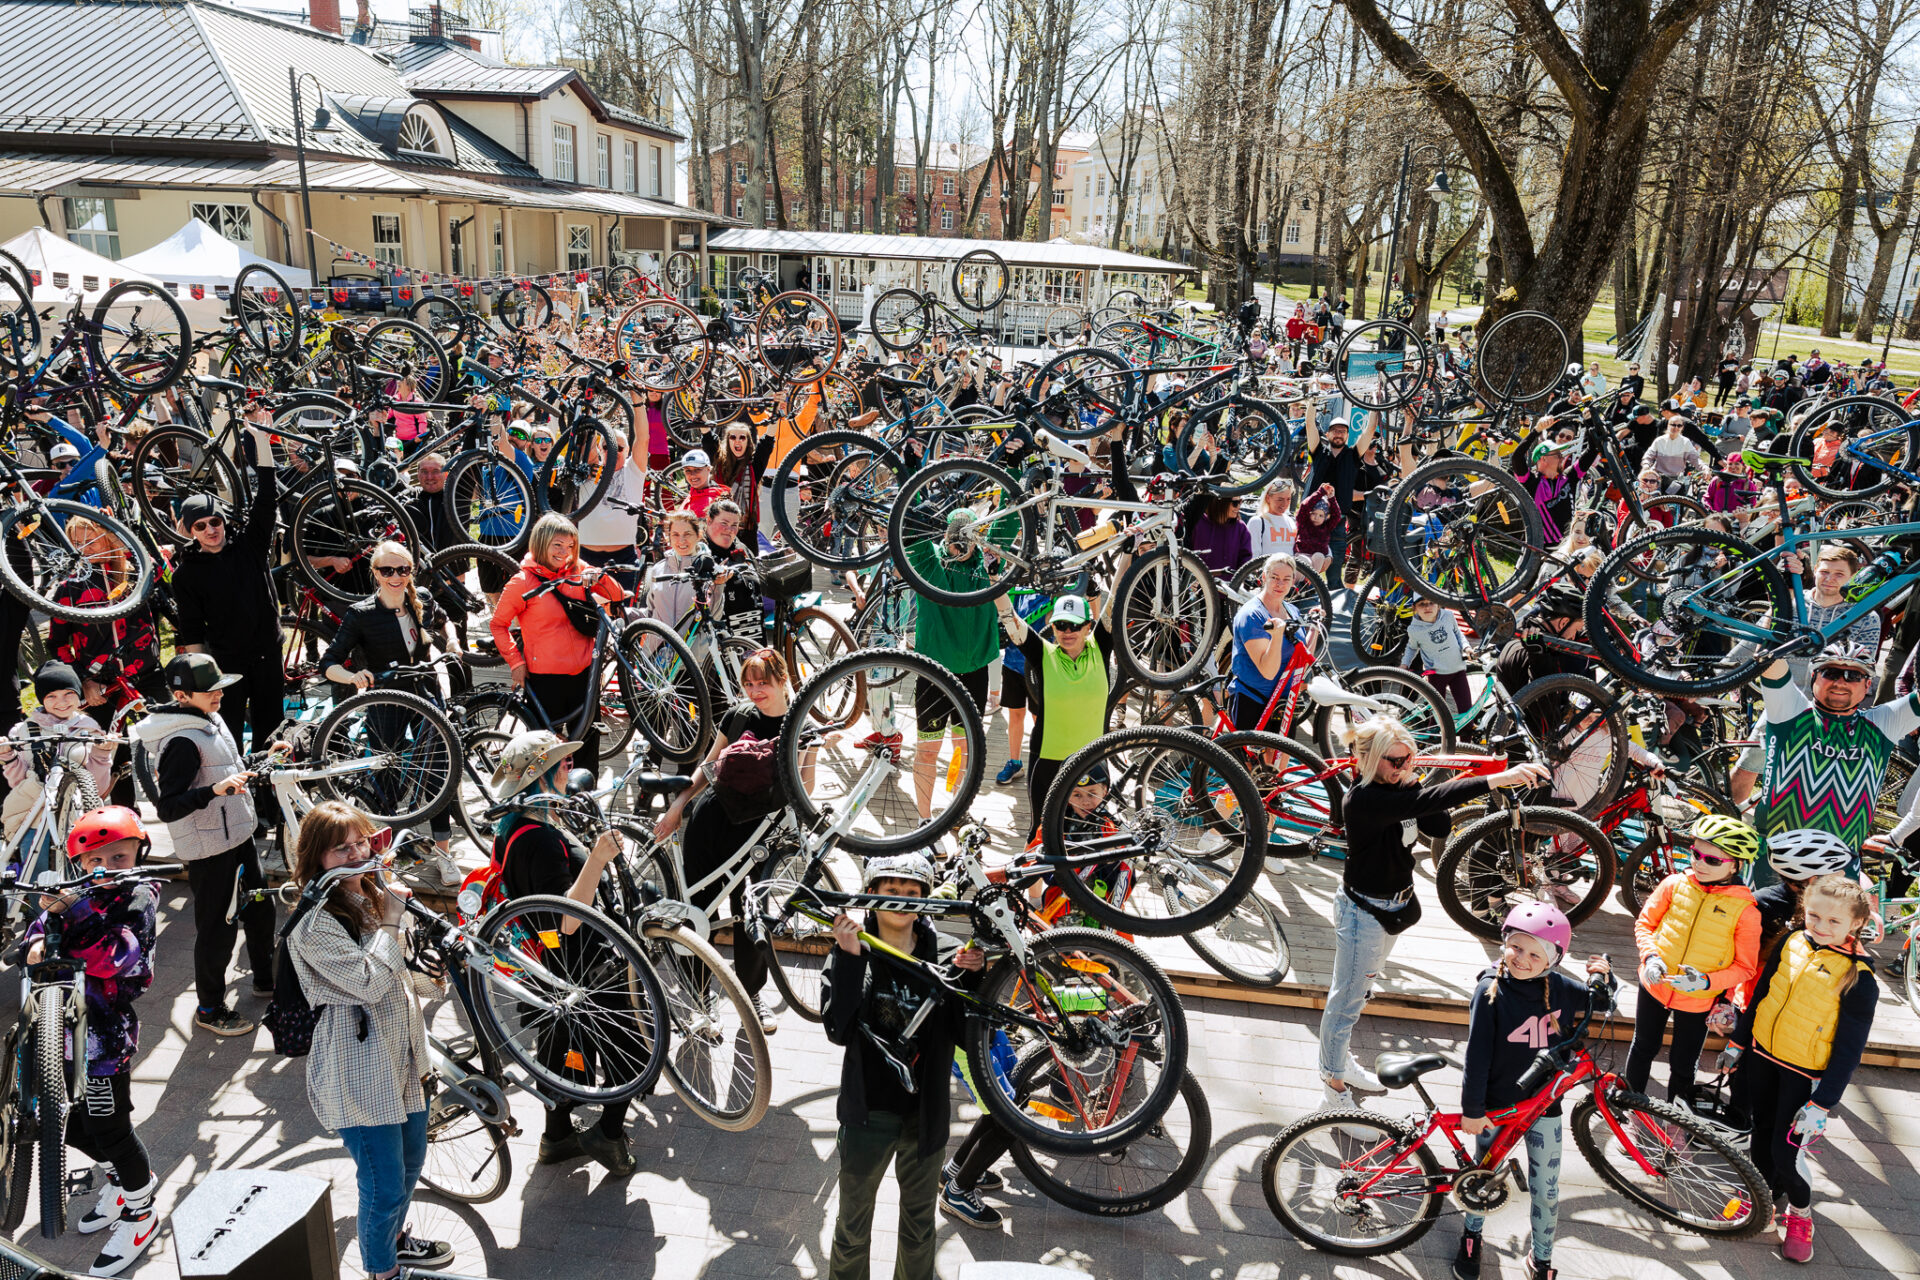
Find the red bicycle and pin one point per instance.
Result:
(1360, 1184)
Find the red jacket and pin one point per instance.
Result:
(548, 643)
(1297, 328)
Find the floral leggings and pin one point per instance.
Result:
(1543, 1182)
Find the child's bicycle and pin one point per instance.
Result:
(1360, 1184)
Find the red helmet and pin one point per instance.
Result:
(105, 825)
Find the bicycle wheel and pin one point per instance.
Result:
(664, 344)
(1304, 797)
(171, 463)
(1874, 440)
(901, 320)
(468, 1160)
(1131, 704)
(1381, 364)
(1166, 617)
(333, 541)
(717, 1059)
(1352, 1183)
(1667, 634)
(1910, 966)
(16, 1148)
(886, 623)
(1381, 614)
(569, 996)
(1174, 799)
(1464, 532)
(1247, 945)
(950, 515)
(447, 319)
(1520, 358)
(401, 348)
(1067, 327)
(1078, 390)
(670, 703)
(522, 306)
(980, 280)
(873, 790)
(408, 756)
(579, 470)
(1110, 1047)
(1421, 707)
(815, 638)
(263, 303)
(1698, 1181)
(54, 545)
(457, 578)
(50, 1102)
(831, 498)
(1583, 731)
(490, 501)
(483, 748)
(1137, 1178)
(801, 947)
(19, 325)
(612, 715)
(1253, 439)
(798, 337)
(1531, 853)
(141, 338)
(680, 268)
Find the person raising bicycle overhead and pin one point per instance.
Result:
(1068, 679)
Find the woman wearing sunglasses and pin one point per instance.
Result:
(1068, 679)
(1387, 812)
(395, 626)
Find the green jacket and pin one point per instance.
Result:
(961, 639)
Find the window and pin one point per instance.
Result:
(1083, 222)
(1086, 188)
(1059, 202)
(740, 173)
(653, 171)
(630, 165)
(454, 246)
(903, 182)
(416, 134)
(1059, 168)
(579, 248)
(563, 153)
(1100, 186)
(234, 221)
(856, 219)
(793, 209)
(386, 239)
(1293, 233)
(1160, 224)
(1261, 239)
(1146, 185)
(1306, 206)
(603, 159)
(946, 219)
(840, 219)
(499, 248)
(946, 186)
(92, 224)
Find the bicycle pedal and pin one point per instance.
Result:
(1518, 1174)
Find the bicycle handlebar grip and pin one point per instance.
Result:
(1543, 1068)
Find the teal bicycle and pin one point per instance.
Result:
(1696, 611)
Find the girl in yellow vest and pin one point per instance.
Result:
(1799, 1042)
(1698, 935)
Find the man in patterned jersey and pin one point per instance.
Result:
(1826, 758)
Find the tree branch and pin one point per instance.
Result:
(1549, 43)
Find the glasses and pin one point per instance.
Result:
(1711, 859)
(359, 849)
(1070, 627)
(211, 522)
(515, 434)
(1398, 762)
(542, 442)
(394, 570)
(1842, 677)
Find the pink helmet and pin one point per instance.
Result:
(1542, 920)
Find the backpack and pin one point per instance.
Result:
(746, 780)
(488, 878)
(290, 1017)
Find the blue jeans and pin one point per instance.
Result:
(1360, 950)
(1543, 1182)
(387, 1158)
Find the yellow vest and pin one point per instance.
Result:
(1698, 928)
(1796, 1022)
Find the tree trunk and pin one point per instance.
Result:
(1889, 246)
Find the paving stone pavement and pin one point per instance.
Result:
(711, 1204)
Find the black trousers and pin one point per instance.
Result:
(979, 1151)
(101, 1128)
(211, 880)
(13, 624)
(1777, 1095)
(1649, 1027)
(561, 696)
(258, 700)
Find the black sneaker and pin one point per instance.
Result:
(966, 1206)
(610, 1152)
(989, 1180)
(223, 1022)
(560, 1150)
(1543, 1270)
(1466, 1262)
(428, 1255)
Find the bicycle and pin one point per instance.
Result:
(906, 318)
(1357, 1184)
(39, 845)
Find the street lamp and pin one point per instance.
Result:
(322, 123)
(1438, 187)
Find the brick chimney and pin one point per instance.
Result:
(363, 17)
(324, 15)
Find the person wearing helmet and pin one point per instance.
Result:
(111, 930)
(1522, 1004)
(1697, 935)
(894, 1105)
(1068, 679)
(532, 856)
(1559, 616)
(1798, 858)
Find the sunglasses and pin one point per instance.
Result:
(1398, 762)
(1711, 859)
(1070, 626)
(515, 435)
(211, 522)
(394, 570)
(1843, 677)
(540, 441)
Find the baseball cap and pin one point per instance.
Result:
(1069, 609)
(198, 506)
(695, 458)
(63, 450)
(197, 673)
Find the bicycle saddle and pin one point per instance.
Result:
(1398, 1070)
(661, 784)
(1329, 694)
(222, 384)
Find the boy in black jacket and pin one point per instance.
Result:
(894, 1105)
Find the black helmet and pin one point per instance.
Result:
(1562, 601)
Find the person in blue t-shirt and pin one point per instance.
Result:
(1260, 647)
(78, 484)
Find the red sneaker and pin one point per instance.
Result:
(875, 740)
(1799, 1245)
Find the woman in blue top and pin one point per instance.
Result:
(1261, 648)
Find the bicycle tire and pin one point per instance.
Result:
(19, 325)
(1498, 529)
(482, 491)
(613, 712)
(1589, 760)
(1521, 358)
(1492, 886)
(831, 496)
(1104, 1185)
(483, 747)
(782, 326)
(687, 966)
(799, 948)
(901, 319)
(1183, 617)
(1302, 799)
(664, 344)
(422, 779)
(301, 644)
(1080, 389)
(1309, 588)
(1248, 946)
(576, 474)
(404, 349)
(447, 319)
(1200, 810)
(523, 305)
(1002, 527)
(1146, 1000)
(468, 1160)
(1666, 1118)
(980, 280)
(1253, 440)
(680, 268)
(674, 710)
(1910, 967)
(465, 603)
(1421, 707)
(816, 638)
(321, 530)
(160, 359)
(266, 326)
(886, 821)
(1902, 450)
(51, 1100)
(128, 586)
(16, 1148)
(1381, 364)
(1352, 1135)
(197, 466)
(1131, 704)
(1378, 627)
(886, 623)
(598, 949)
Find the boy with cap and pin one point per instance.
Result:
(57, 686)
(702, 492)
(200, 792)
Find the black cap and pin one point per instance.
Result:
(196, 673)
(198, 506)
(54, 676)
(1642, 407)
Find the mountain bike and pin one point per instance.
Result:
(39, 845)
(906, 318)
(1359, 1184)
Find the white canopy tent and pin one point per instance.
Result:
(198, 254)
(64, 266)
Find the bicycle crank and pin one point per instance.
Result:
(1484, 1190)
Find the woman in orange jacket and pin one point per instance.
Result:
(1698, 935)
(552, 658)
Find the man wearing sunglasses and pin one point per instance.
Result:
(1826, 757)
(1068, 679)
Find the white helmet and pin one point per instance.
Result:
(1804, 853)
(1845, 655)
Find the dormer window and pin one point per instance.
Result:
(423, 132)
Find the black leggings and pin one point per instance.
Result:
(1040, 776)
(101, 1128)
(979, 1151)
(1776, 1095)
(1649, 1027)
(555, 1047)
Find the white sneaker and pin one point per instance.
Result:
(131, 1235)
(1332, 1099)
(107, 1210)
(1358, 1077)
(448, 869)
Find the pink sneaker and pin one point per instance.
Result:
(876, 740)
(1799, 1245)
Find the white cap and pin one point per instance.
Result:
(695, 458)
(64, 449)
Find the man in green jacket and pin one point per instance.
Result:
(965, 640)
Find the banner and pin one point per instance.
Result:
(461, 286)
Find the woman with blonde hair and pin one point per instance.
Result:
(1389, 809)
(369, 1051)
(1273, 527)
